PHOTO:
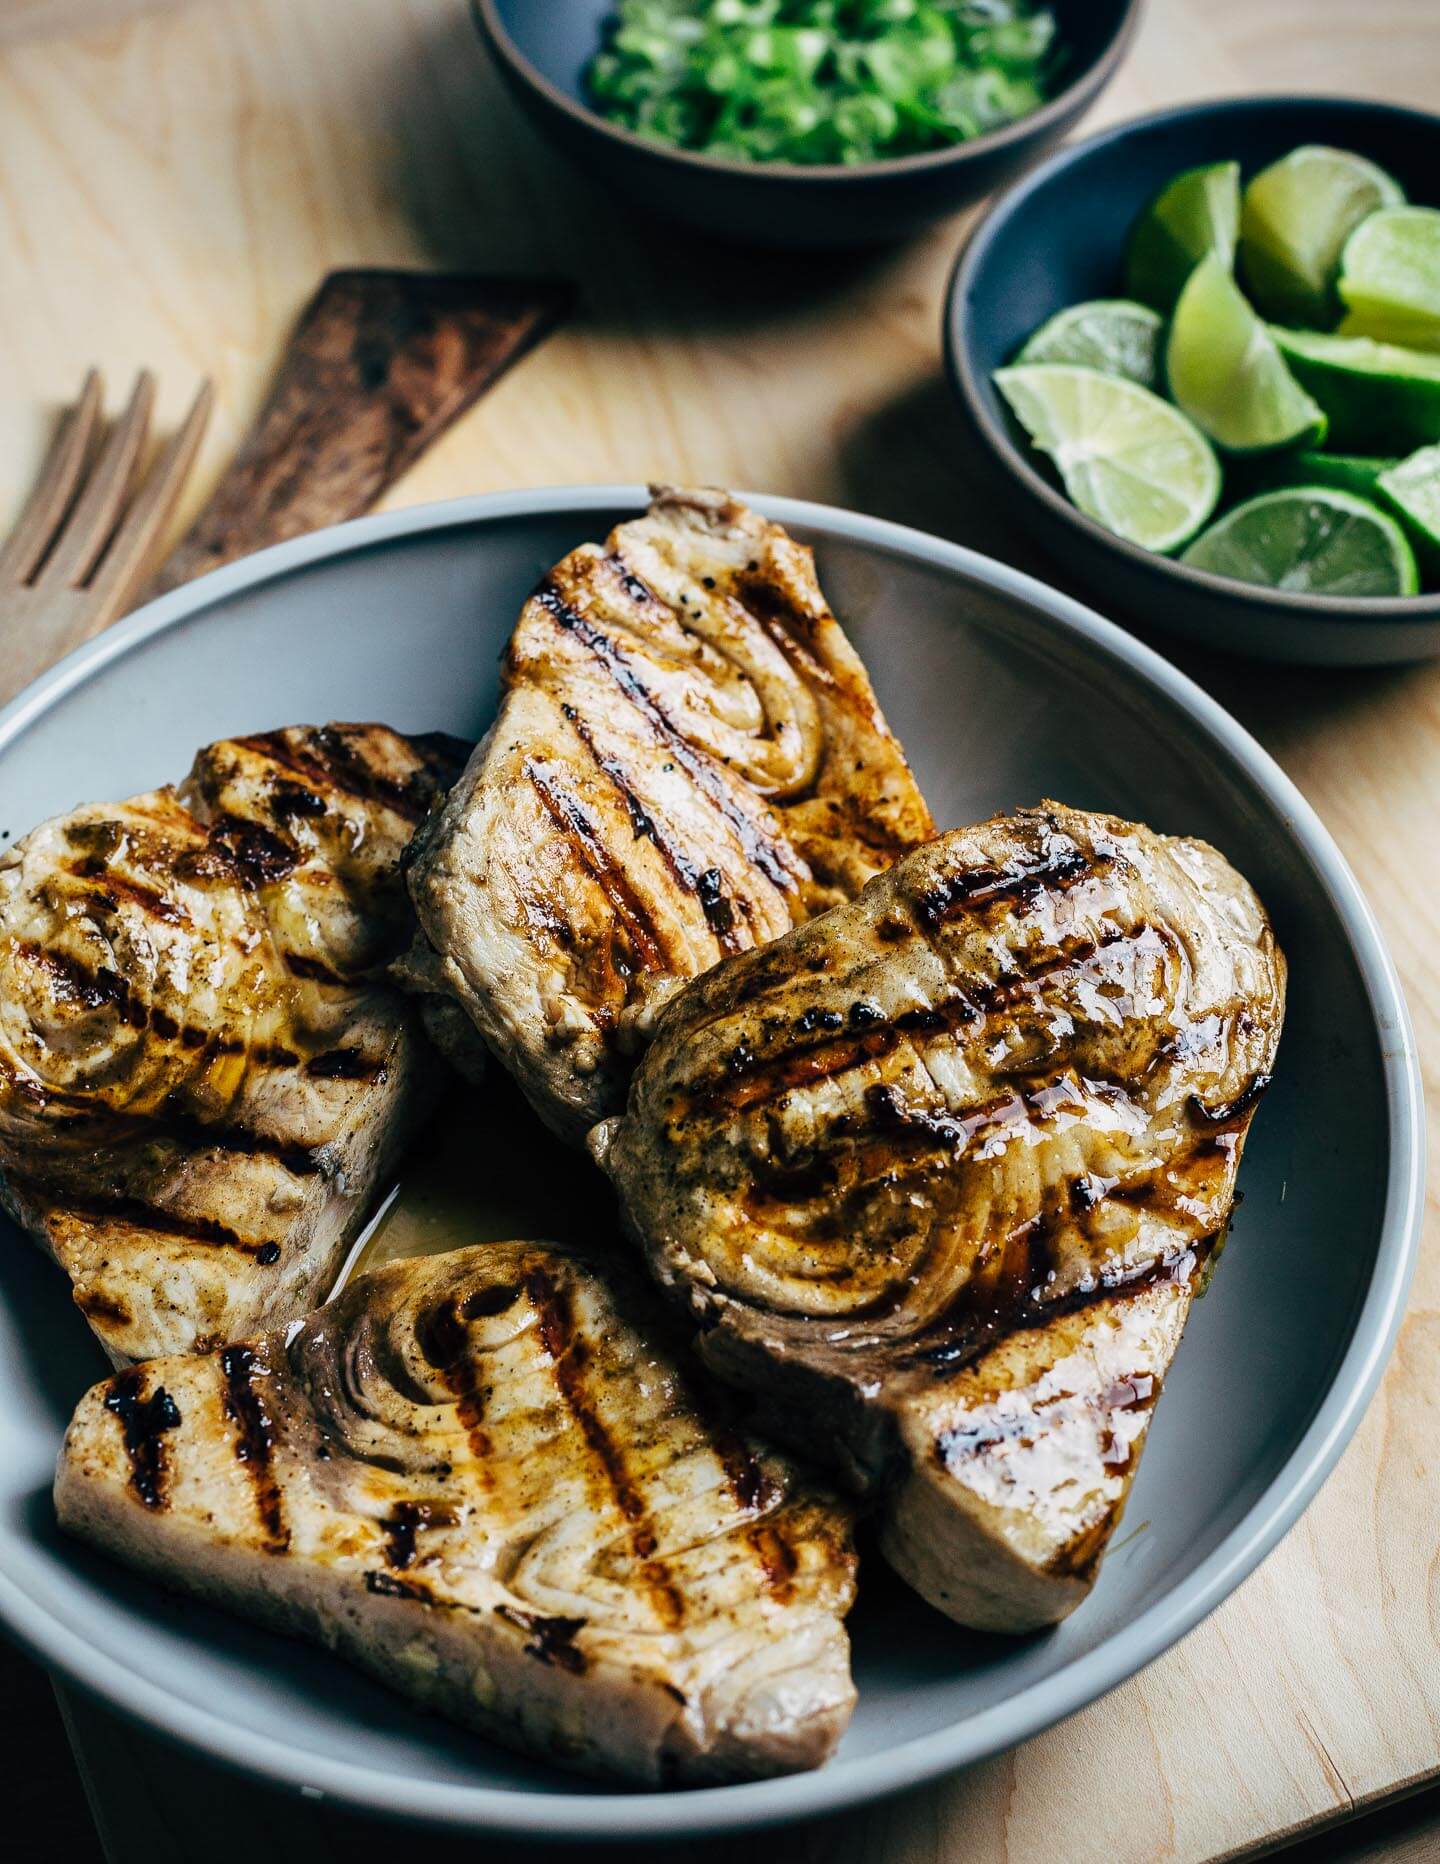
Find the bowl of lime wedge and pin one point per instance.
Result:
(1202, 353)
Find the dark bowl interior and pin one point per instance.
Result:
(1057, 238)
(542, 48)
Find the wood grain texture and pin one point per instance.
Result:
(193, 171)
(378, 365)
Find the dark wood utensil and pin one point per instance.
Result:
(379, 364)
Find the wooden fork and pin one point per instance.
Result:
(81, 550)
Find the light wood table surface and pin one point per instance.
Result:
(173, 181)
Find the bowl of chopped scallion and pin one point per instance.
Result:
(806, 122)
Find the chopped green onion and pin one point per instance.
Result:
(833, 81)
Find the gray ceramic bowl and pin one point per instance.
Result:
(1003, 692)
(1057, 238)
(542, 47)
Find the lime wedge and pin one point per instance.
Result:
(1412, 491)
(1113, 335)
(1390, 277)
(1128, 459)
(1313, 540)
(1376, 395)
(1346, 472)
(1294, 220)
(1195, 214)
(1227, 374)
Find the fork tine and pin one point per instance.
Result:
(123, 564)
(47, 504)
(88, 528)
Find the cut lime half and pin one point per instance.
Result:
(1312, 540)
(1377, 396)
(1114, 335)
(1128, 459)
(1295, 217)
(1412, 491)
(1390, 277)
(1195, 214)
(1227, 374)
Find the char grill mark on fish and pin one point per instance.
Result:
(344, 1064)
(682, 768)
(144, 1420)
(605, 1581)
(327, 760)
(245, 1404)
(93, 988)
(976, 1127)
(137, 1214)
(748, 1079)
(246, 852)
(394, 1586)
(315, 970)
(151, 902)
(1059, 866)
(100, 987)
(708, 887)
(548, 1640)
(176, 1127)
(408, 1519)
(445, 1342)
(765, 852)
(631, 915)
(569, 1353)
(203, 1071)
(777, 1560)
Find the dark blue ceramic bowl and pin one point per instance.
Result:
(1057, 238)
(542, 48)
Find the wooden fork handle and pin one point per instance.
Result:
(378, 365)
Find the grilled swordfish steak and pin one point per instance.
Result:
(204, 1071)
(688, 760)
(481, 1477)
(943, 1169)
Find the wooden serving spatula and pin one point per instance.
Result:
(379, 364)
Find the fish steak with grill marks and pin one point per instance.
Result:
(688, 760)
(483, 1478)
(205, 1072)
(940, 1172)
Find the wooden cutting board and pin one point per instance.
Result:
(172, 182)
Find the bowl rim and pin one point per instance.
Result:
(712, 1810)
(965, 282)
(1054, 113)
